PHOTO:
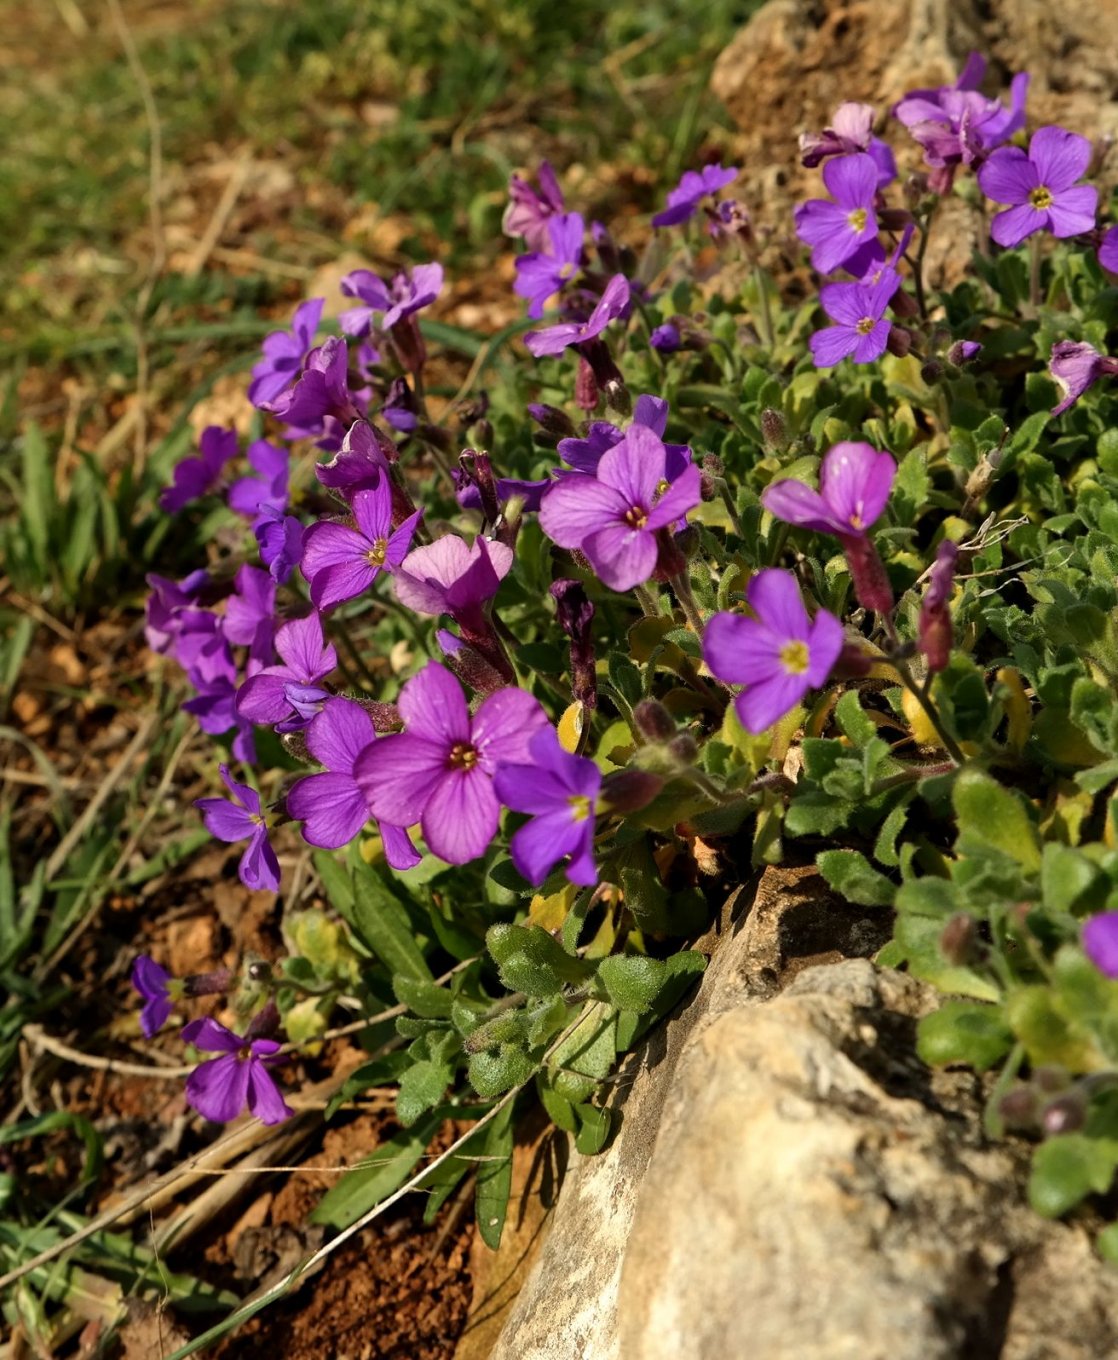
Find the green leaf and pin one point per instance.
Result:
(422, 1086)
(37, 503)
(853, 721)
(386, 1169)
(1070, 882)
(559, 1109)
(852, 876)
(964, 1032)
(594, 1127)
(1069, 1168)
(991, 817)
(423, 998)
(494, 1177)
(498, 1070)
(382, 921)
(632, 982)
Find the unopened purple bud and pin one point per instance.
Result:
(263, 1024)
(958, 939)
(653, 721)
(617, 396)
(474, 670)
(666, 338)
(385, 717)
(575, 613)
(904, 306)
(1065, 1114)
(629, 790)
(478, 470)
(854, 662)
(774, 429)
(708, 487)
(894, 219)
(712, 465)
(1019, 1108)
(551, 419)
(900, 340)
(216, 983)
(931, 372)
(683, 748)
(867, 572)
(586, 387)
(481, 431)
(916, 189)
(962, 352)
(934, 632)
(1051, 1078)
(408, 340)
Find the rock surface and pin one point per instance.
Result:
(788, 1180)
(796, 60)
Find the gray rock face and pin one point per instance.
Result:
(788, 1181)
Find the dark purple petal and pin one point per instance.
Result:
(331, 807)
(398, 849)
(258, 867)
(218, 1089)
(339, 734)
(1100, 940)
(264, 1098)
(211, 1036)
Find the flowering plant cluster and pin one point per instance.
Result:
(682, 594)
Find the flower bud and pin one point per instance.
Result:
(629, 790)
(900, 340)
(216, 983)
(385, 717)
(933, 631)
(958, 938)
(708, 487)
(1019, 1108)
(894, 219)
(1065, 1114)
(904, 305)
(774, 430)
(712, 465)
(867, 572)
(575, 612)
(683, 748)
(916, 189)
(854, 662)
(586, 387)
(475, 671)
(1051, 1078)
(408, 339)
(653, 721)
(931, 372)
(617, 396)
(962, 352)
(551, 419)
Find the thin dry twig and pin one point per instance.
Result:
(221, 214)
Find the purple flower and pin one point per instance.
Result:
(933, 631)
(1075, 365)
(362, 461)
(331, 806)
(543, 273)
(284, 353)
(322, 390)
(666, 338)
(267, 491)
(613, 517)
(554, 339)
(449, 577)
(1041, 186)
(778, 655)
(1100, 940)
(956, 125)
(859, 310)
(468, 493)
(1108, 251)
(854, 485)
(225, 821)
(851, 130)
(399, 409)
(168, 605)
(528, 212)
(439, 772)
(584, 455)
(154, 984)
(289, 695)
(559, 790)
(407, 293)
(193, 477)
(281, 543)
(221, 1088)
(684, 199)
(962, 352)
(844, 231)
(250, 611)
(342, 562)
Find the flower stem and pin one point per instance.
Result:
(686, 597)
(647, 602)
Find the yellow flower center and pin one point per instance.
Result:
(1041, 198)
(580, 807)
(858, 219)
(377, 553)
(866, 325)
(565, 271)
(462, 756)
(636, 518)
(856, 522)
(794, 657)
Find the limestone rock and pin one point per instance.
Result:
(795, 61)
(788, 1180)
